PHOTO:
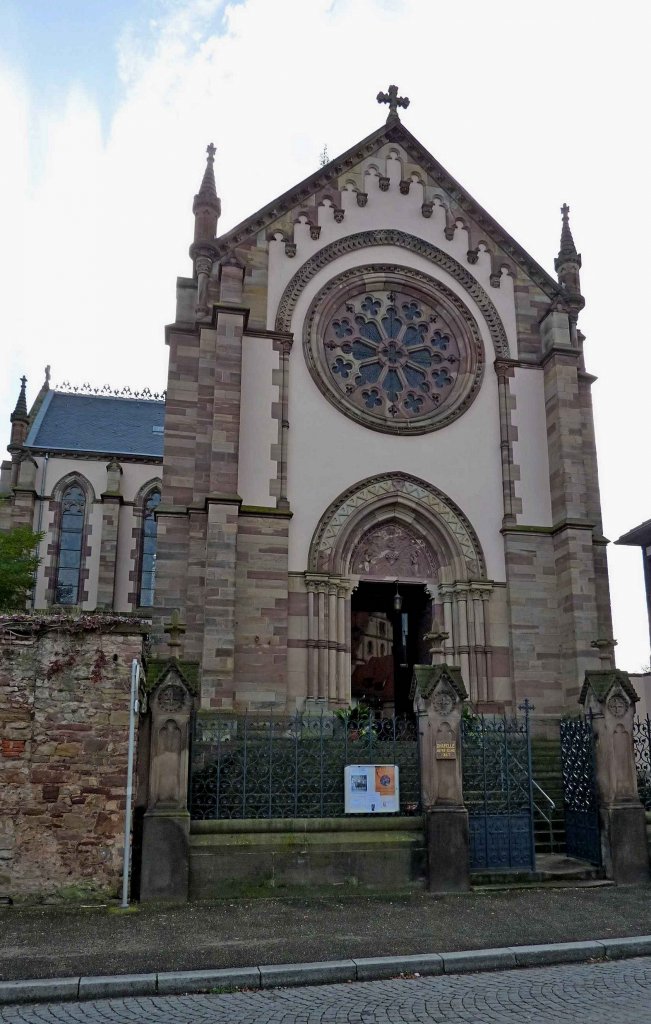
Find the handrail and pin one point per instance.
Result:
(546, 795)
(542, 814)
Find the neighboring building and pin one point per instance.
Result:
(640, 537)
(369, 381)
(86, 471)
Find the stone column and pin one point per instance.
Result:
(439, 693)
(312, 630)
(111, 503)
(166, 826)
(609, 696)
(343, 642)
(333, 620)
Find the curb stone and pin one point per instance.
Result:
(169, 983)
(181, 982)
(558, 953)
(377, 967)
(479, 960)
(323, 973)
(103, 987)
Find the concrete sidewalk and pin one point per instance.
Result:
(67, 941)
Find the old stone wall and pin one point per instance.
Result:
(64, 712)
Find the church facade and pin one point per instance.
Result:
(377, 421)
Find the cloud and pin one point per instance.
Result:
(527, 111)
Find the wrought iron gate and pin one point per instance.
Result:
(497, 791)
(580, 795)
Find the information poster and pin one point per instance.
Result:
(371, 788)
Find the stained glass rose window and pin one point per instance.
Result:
(397, 358)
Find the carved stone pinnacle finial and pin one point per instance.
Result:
(391, 97)
(211, 150)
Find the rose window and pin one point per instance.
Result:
(395, 356)
(390, 354)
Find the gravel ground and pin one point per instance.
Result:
(55, 941)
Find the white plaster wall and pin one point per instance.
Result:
(258, 430)
(388, 209)
(530, 451)
(328, 452)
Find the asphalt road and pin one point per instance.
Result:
(597, 993)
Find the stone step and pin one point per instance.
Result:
(551, 869)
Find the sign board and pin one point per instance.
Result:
(371, 788)
(446, 751)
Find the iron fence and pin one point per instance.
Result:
(497, 790)
(580, 794)
(293, 766)
(642, 745)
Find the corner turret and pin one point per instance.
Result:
(206, 208)
(19, 418)
(568, 264)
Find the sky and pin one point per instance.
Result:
(106, 107)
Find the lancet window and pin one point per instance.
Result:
(148, 550)
(71, 538)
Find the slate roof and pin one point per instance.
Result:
(100, 424)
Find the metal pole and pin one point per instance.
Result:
(133, 711)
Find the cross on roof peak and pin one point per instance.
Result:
(391, 97)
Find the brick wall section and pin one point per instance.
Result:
(64, 700)
(262, 608)
(108, 552)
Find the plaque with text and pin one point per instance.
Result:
(446, 751)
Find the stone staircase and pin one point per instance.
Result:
(546, 767)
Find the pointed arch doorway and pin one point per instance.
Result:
(387, 527)
(389, 621)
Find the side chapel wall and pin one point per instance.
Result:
(133, 478)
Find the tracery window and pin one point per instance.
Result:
(389, 354)
(148, 550)
(393, 349)
(71, 538)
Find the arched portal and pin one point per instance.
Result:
(394, 532)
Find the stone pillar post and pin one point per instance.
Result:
(111, 503)
(166, 826)
(609, 696)
(439, 693)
